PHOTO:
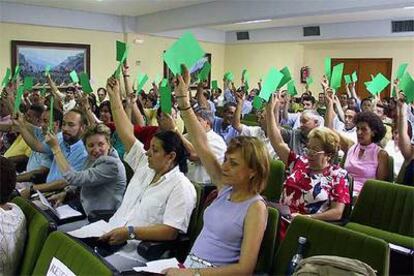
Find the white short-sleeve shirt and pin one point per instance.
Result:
(196, 172)
(258, 132)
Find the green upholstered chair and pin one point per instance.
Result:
(75, 255)
(39, 225)
(390, 177)
(268, 246)
(327, 239)
(385, 210)
(275, 181)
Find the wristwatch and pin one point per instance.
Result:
(131, 233)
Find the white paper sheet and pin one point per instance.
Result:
(57, 268)
(62, 212)
(95, 229)
(158, 266)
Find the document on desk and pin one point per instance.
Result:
(62, 212)
(96, 229)
(158, 266)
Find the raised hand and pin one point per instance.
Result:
(52, 140)
(182, 89)
(112, 87)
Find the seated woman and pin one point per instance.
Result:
(314, 187)
(365, 159)
(235, 222)
(102, 181)
(12, 222)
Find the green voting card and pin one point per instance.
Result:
(52, 101)
(354, 76)
(229, 76)
(74, 76)
(401, 70)
(185, 50)
(257, 102)
(246, 75)
(286, 77)
(214, 84)
(348, 79)
(378, 84)
(165, 93)
(84, 81)
(164, 83)
(120, 50)
(328, 68)
(16, 73)
(141, 80)
(270, 84)
(203, 75)
(309, 80)
(291, 88)
(18, 99)
(47, 70)
(336, 76)
(6, 78)
(406, 84)
(28, 83)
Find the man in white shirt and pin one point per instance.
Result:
(348, 128)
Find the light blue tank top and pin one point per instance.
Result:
(220, 239)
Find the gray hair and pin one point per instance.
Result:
(311, 114)
(206, 115)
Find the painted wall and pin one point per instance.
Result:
(103, 51)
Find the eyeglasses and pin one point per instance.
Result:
(311, 152)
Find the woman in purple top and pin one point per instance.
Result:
(235, 222)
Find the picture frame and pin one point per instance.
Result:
(33, 56)
(194, 73)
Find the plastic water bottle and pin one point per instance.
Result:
(297, 257)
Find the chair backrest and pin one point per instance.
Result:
(275, 181)
(76, 256)
(39, 226)
(327, 239)
(390, 176)
(348, 207)
(267, 248)
(192, 227)
(386, 206)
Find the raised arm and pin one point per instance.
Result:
(404, 143)
(339, 110)
(273, 130)
(196, 132)
(28, 136)
(237, 115)
(201, 100)
(123, 125)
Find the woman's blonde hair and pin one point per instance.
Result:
(257, 158)
(328, 138)
(97, 129)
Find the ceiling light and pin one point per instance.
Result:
(409, 8)
(254, 21)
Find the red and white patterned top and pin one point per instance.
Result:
(309, 193)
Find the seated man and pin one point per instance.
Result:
(12, 222)
(309, 103)
(223, 126)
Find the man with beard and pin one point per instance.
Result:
(71, 146)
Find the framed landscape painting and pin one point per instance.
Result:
(33, 58)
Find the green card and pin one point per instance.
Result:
(18, 99)
(164, 83)
(378, 84)
(141, 80)
(6, 78)
(185, 50)
(47, 70)
(229, 76)
(257, 102)
(354, 76)
(52, 101)
(16, 73)
(328, 68)
(214, 84)
(286, 77)
(203, 75)
(28, 83)
(336, 77)
(270, 84)
(407, 86)
(348, 79)
(84, 82)
(120, 50)
(291, 89)
(74, 76)
(117, 73)
(245, 75)
(246, 87)
(309, 80)
(401, 70)
(166, 105)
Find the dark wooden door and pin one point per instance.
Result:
(365, 67)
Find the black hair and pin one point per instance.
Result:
(57, 116)
(309, 98)
(366, 99)
(101, 88)
(37, 108)
(103, 104)
(7, 179)
(228, 105)
(374, 122)
(84, 121)
(171, 142)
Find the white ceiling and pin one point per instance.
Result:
(321, 19)
(117, 7)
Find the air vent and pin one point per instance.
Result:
(242, 35)
(311, 31)
(402, 26)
